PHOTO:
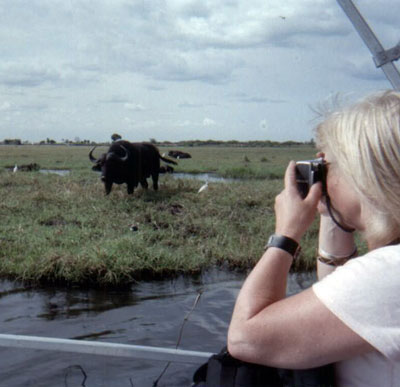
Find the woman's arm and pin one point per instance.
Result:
(266, 284)
(332, 243)
(294, 332)
(297, 332)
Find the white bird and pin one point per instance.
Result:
(15, 168)
(203, 187)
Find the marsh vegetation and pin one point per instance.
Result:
(63, 229)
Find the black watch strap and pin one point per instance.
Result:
(284, 243)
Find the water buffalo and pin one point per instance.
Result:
(130, 163)
(179, 154)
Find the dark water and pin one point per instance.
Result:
(150, 313)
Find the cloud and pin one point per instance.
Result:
(5, 106)
(193, 40)
(363, 68)
(155, 88)
(208, 66)
(244, 98)
(263, 124)
(241, 24)
(124, 102)
(35, 106)
(19, 75)
(184, 123)
(115, 100)
(189, 105)
(173, 40)
(134, 106)
(209, 122)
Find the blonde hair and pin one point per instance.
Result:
(364, 138)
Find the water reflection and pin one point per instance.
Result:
(71, 303)
(60, 172)
(35, 167)
(210, 177)
(150, 313)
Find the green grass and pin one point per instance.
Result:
(63, 229)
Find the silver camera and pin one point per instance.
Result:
(309, 172)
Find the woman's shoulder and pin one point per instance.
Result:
(363, 293)
(383, 256)
(378, 269)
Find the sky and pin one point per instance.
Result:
(175, 70)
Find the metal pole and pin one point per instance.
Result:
(371, 41)
(103, 348)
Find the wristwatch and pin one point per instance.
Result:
(284, 243)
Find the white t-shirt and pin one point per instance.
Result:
(365, 295)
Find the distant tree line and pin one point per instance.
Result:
(187, 143)
(235, 143)
(48, 141)
(12, 141)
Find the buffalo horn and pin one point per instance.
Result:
(92, 159)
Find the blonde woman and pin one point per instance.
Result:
(351, 317)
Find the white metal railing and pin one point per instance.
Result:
(104, 348)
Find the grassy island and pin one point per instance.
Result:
(64, 230)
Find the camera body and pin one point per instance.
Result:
(309, 172)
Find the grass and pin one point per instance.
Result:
(64, 230)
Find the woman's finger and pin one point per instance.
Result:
(290, 177)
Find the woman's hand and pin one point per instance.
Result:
(294, 214)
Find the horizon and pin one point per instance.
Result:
(190, 142)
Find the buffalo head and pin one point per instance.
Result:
(101, 161)
(109, 165)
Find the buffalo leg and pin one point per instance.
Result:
(131, 187)
(155, 181)
(108, 186)
(144, 183)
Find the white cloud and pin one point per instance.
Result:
(184, 123)
(263, 124)
(246, 24)
(26, 75)
(134, 106)
(5, 106)
(209, 122)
